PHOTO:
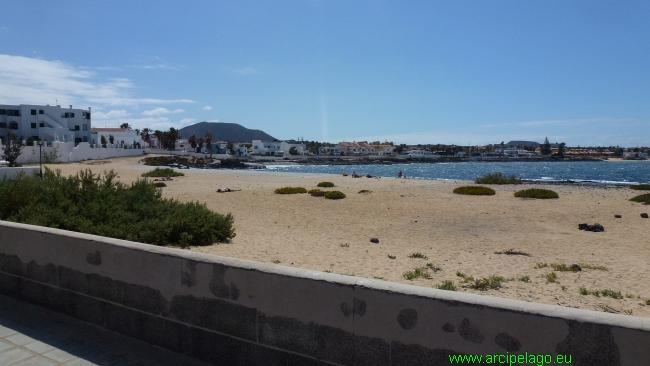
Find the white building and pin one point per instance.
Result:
(48, 123)
(121, 136)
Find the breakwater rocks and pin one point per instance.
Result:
(186, 162)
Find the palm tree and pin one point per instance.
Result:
(159, 136)
(125, 125)
(192, 141)
(208, 141)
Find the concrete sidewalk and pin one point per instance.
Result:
(31, 335)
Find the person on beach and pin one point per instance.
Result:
(224, 190)
(399, 175)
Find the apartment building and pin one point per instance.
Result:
(48, 123)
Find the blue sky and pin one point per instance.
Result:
(464, 72)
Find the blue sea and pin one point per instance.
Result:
(589, 172)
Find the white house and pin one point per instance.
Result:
(272, 148)
(121, 136)
(47, 123)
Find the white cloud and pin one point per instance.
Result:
(160, 111)
(207, 108)
(111, 114)
(187, 121)
(37, 81)
(149, 67)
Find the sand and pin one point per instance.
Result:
(456, 233)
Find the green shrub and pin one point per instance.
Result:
(492, 282)
(417, 273)
(290, 190)
(606, 293)
(497, 178)
(538, 193)
(513, 252)
(162, 172)
(159, 184)
(334, 195)
(551, 277)
(640, 187)
(644, 198)
(316, 192)
(447, 285)
(418, 255)
(325, 184)
(475, 191)
(100, 205)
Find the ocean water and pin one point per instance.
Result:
(590, 172)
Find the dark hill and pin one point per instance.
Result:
(222, 131)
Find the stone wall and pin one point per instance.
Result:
(236, 312)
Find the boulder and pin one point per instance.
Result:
(595, 227)
(618, 216)
(374, 240)
(644, 215)
(575, 268)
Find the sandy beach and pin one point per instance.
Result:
(456, 233)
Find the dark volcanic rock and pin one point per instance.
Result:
(644, 215)
(617, 216)
(374, 240)
(595, 227)
(576, 268)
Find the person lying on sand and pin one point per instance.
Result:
(223, 190)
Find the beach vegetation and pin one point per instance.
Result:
(475, 191)
(644, 198)
(433, 267)
(276, 261)
(325, 184)
(364, 191)
(418, 255)
(334, 195)
(541, 265)
(316, 192)
(162, 173)
(344, 245)
(524, 279)
(538, 193)
(551, 277)
(12, 150)
(497, 178)
(420, 272)
(465, 277)
(605, 293)
(561, 267)
(100, 205)
(290, 190)
(513, 252)
(487, 283)
(447, 285)
(159, 184)
(640, 187)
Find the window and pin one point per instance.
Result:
(3, 112)
(85, 138)
(33, 124)
(3, 124)
(76, 128)
(33, 112)
(13, 112)
(13, 125)
(71, 115)
(42, 124)
(77, 140)
(85, 127)
(40, 111)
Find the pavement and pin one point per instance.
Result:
(32, 335)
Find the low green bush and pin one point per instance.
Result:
(101, 205)
(316, 192)
(159, 184)
(475, 191)
(162, 172)
(640, 187)
(290, 190)
(325, 184)
(497, 178)
(538, 193)
(334, 195)
(447, 285)
(644, 198)
(416, 273)
(487, 283)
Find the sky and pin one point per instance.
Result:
(414, 72)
